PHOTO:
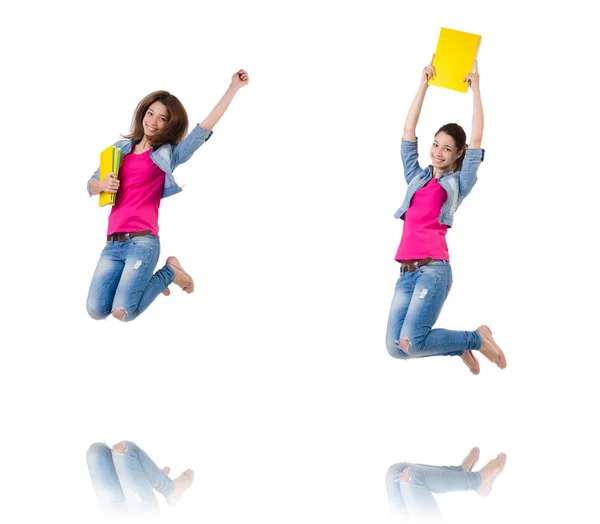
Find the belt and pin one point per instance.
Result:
(413, 265)
(123, 237)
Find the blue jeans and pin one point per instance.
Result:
(416, 306)
(125, 278)
(124, 482)
(415, 496)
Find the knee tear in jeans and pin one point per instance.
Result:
(137, 264)
(423, 293)
(119, 313)
(119, 448)
(404, 476)
(404, 345)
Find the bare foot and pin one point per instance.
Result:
(166, 470)
(472, 363)
(489, 349)
(489, 473)
(182, 279)
(470, 460)
(182, 482)
(166, 292)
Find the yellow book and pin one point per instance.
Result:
(454, 59)
(110, 161)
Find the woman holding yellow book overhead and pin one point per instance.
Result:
(124, 282)
(432, 197)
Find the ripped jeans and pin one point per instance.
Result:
(416, 306)
(125, 482)
(125, 278)
(413, 495)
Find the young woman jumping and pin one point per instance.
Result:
(124, 283)
(432, 197)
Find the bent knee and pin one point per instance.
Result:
(404, 344)
(411, 347)
(394, 471)
(121, 447)
(394, 350)
(96, 450)
(97, 313)
(413, 474)
(119, 314)
(405, 476)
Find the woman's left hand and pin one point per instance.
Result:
(473, 79)
(239, 79)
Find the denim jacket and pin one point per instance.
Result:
(457, 185)
(167, 157)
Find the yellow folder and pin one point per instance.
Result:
(110, 161)
(454, 59)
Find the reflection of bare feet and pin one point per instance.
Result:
(166, 470)
(182, 482)
(470, 460)
(472, 363)
(489, 349)
(182, 279)
(489, 473)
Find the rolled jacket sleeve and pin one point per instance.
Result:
(467, 176)
(95, 176)
(183, 151)
(410, 159)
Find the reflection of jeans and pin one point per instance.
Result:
(124, 278)
(414, 497)
(124, 482)
(416, 305)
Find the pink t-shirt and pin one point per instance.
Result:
(422, 235)
(138, 197)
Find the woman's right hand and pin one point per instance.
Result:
(428, 72)
(472, 79)
(110, 184)
(239, 79)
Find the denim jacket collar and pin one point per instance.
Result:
(167, 157)
(457, 184)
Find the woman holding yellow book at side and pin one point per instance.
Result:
(432, 197)
(124, 282)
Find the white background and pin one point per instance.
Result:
(272, 380)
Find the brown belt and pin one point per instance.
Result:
(123, 237)
(413, 265)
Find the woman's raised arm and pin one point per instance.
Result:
(477, 124)
(410, 126)
(238, 80)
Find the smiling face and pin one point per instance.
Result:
(159, 119)
(155, 118)
(443, 152)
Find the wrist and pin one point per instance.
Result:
(94, 186)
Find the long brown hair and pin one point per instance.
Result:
(175, 128)
(460, 139)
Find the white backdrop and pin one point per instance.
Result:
(272, 380)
